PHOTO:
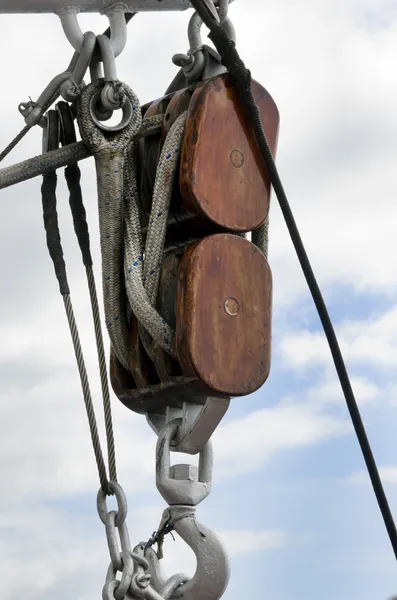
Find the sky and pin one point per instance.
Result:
(291, 499)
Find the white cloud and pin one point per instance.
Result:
(388, 475)
(241, 542)
(370, 341)
(264, 433)
(330, 393)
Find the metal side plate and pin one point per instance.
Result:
(48, 6)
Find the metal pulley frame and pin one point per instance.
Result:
(49, 6)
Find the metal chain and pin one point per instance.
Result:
(121, 557)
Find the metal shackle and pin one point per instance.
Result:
(179, 490)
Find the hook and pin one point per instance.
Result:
(183, 492)
(158, 580)
(212, 572)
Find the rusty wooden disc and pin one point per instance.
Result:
(222, 173)
(224, 297)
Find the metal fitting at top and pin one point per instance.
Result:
(223, 9)
(198, 421)
(118, 26)
(34, 111)
(71, 88)
(193, 63)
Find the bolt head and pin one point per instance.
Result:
(184, 472)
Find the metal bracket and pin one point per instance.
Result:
(198, 423)
(48, 6)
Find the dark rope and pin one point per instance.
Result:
(73, 175)
(49, 202)
(242, 79)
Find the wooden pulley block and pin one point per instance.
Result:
(217, 294)
(222, 175)
(223, 183)
(223, 314)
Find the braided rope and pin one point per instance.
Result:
(142, 269)
(109, 159)
(51, 161)
(260, 237)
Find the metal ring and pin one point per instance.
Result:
(122, 508)
(140, 560)
(223, 9)
(126, 118)
(126, 576)
(109, 588)
(120, 586)
(172, 584)
(111, 538)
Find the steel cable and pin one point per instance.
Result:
(242, 79)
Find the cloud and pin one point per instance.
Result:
(241, 542)
(388, 475)
(368, 341)
(263, 434)
(330, 393)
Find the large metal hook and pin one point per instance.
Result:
(183, 491)
(118, 26)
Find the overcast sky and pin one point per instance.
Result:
(290, 498)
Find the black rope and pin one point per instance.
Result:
(242, 79)
(73, 177)
(50, 216)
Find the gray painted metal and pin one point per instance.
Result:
(183, 491)
(48, 6)
(197, 423)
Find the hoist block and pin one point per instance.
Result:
(217, 294)
(215, 286)
(223, 185)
